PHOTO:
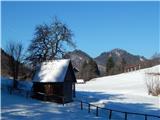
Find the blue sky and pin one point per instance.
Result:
(97, 26)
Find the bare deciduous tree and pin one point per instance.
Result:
(49, 42)
(14, 50)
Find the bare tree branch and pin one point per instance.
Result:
(14, 50)
(49, 42)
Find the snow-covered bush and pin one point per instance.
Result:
(152, 80)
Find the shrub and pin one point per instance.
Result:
(153, 83)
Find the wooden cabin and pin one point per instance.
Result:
(55, 81)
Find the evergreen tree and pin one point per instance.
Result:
(123, 64)
(109, 66)
(89, 70)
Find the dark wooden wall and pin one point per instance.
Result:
(69, 83)
(48, 91)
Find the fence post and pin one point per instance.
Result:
(45, 97)
(145, 117)
(88, 108)
(110, 114)
(81, 105)
(96, 111)
(63, 100)
(27, 94)
(125, 115)
(10, 90)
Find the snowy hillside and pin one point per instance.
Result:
(126, 92)
(125, 83)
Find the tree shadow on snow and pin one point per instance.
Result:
(116, 102)
(96, 96)
(15, 107)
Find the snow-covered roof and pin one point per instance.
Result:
(52, 71)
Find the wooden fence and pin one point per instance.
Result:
(112, 110)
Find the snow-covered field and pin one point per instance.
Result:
(16, 107)
(125, 92)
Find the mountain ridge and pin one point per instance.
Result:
(118, 53)
(89, 67)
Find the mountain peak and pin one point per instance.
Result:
(118, 54)
(79, 53)
(118, 50)
(84, 63)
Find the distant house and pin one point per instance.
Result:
(130, 68)
(55, 81)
